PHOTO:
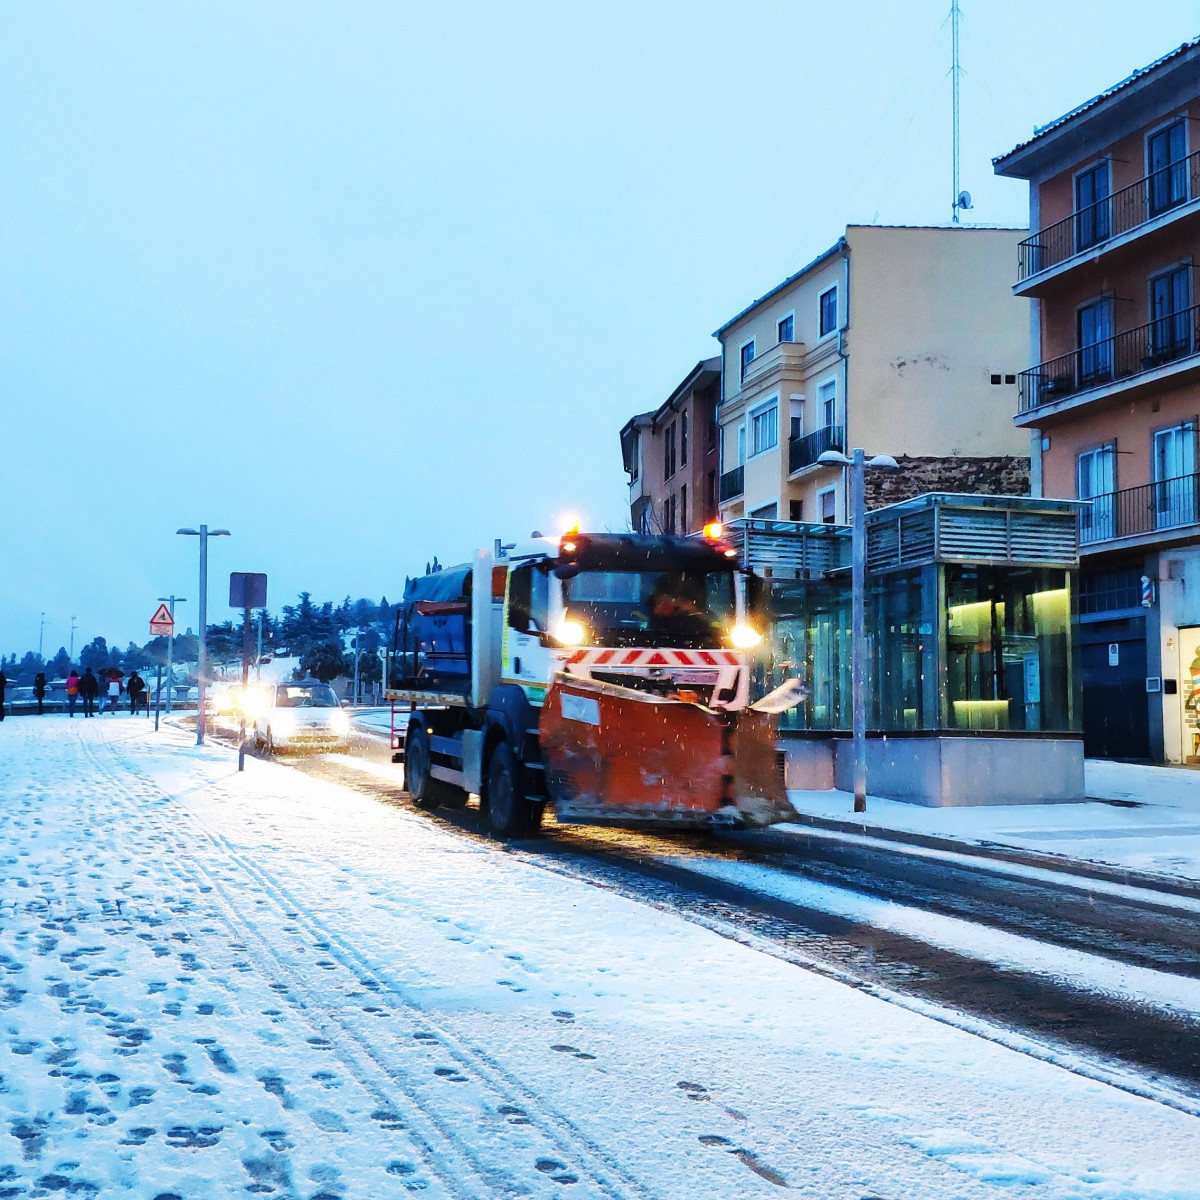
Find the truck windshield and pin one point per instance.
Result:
(311, 695)
(691, 609)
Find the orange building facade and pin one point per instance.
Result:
(1112, 399)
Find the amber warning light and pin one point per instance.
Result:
(714, 530)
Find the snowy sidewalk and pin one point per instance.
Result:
(1138, 818)
(215, 984)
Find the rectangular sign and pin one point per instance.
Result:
(247, 589)
(580, 708)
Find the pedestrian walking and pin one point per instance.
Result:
(136, 687)
(89, 689)
(39, 691)
(114, 691)
(72, 691)
(3, 685)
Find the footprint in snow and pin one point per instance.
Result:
(573, 1050)
(514, 1115)
(556, 1170)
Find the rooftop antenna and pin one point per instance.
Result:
(961, 199)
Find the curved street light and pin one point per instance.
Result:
(203, 533)
(857, 463)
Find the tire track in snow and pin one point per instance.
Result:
(511, 1098)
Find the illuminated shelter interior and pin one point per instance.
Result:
(970, 603)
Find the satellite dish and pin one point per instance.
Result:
(964, 199)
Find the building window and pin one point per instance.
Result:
(764, 429)
(713, 425)
(683, 439)
(827, 403)
(741, 444)
(1095, 480)
(747, 356)
(1166, 157)
(635, 458)
(787, 328)
(1110, 591)
(765, 512)
(795, 510)
(669, 451)
(669, 514)
(1092, 208)
(827, 506)
(1170, 329)
(1175, 476)
(683, 520)
(712, 492)
(828, 318)
(1095, 341)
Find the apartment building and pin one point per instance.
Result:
(1113, 396)
(901, 340)
(671, 456)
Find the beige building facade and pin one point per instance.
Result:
(902, 340)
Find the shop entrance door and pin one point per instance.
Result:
(1189, 691)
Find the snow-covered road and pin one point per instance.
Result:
(215, 984)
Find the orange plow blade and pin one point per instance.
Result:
(619, 756)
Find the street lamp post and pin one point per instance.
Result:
(203, 533)
(857, 465)
(171, 601)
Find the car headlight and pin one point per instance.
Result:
(282, 721)
(254, 701)
(339, 722)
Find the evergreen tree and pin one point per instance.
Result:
(59, 667)
(31, 664)
(95, 655)
(326, 661)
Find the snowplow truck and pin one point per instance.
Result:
(605, 675)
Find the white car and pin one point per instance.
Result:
(301, 716)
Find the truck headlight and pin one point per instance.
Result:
(339, 722)
(745, 637)
(569, 632)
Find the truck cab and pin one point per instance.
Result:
(478, 647)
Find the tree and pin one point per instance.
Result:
(59, 667)
(326, 661)
(31, 664)
(136, 658)
(95, 655)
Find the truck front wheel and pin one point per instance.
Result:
(417, 780)
(509, 812)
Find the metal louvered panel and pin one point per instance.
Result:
(1042, 541)
(790, 546)
(883, 548)
(916, 538)
(940, 527)
(972, 536)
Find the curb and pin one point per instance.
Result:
(994, 851)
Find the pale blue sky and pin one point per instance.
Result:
(366, 282)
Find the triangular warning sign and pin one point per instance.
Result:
(162, 616)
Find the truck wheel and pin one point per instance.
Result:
(509, 812)
(417, 781)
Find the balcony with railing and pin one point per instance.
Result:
(804, 451)
(773, 362)
(1145, 512)
(733, 484)
(1158, 198)
(1115, 364)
